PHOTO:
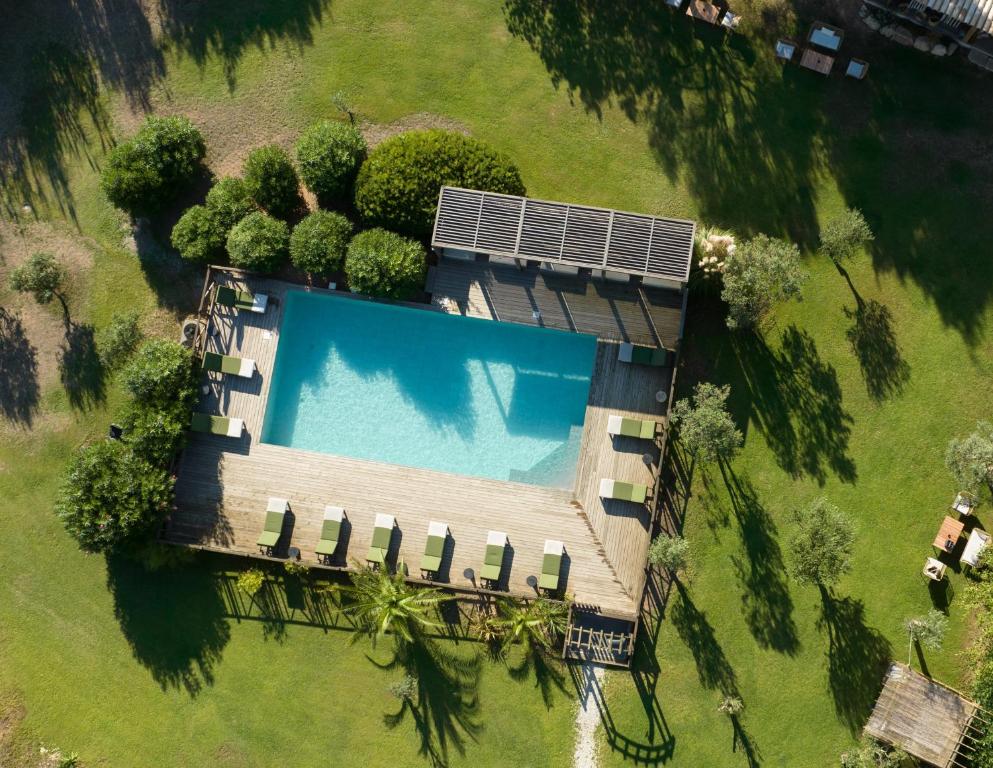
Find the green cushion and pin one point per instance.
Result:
(326, 547)
(656, 356)
(215, 425)
(494, 555)
(435, 546)
(331, 530)
(212, 361)
(230, 364)
(274, 521)
(648, 429)
(551, 564)
(268, 538)
(381, 537)
(490, 573)
(549, 581)
(430, 563)
(229, 297)
(376, 555)
(630, 491)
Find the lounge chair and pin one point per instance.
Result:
(236, 366)
(330, 534)
(275, 513)
(229, 297)
(434, 550)
(625, 427)
(217, 425)
(382, 534)
(978, 539)
(730, 21)
(615, 489)
(857, 69)
(496, 544)
(638, 355)
(551, 565)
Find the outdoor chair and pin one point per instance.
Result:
(275, 514)
(229, 297)
(330, 534)
(964, 503)
(434, 550)
(382, 535)
(730, 21)
(785, 50)
(626, 427)
(978, 539)
(217, 425)
(615, 489)
(638, 355)
(857, 69)
(551, 565)
(236, 366)
(496, 544)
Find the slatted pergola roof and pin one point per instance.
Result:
(972, 13)
(577, 235)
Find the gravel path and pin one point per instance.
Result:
(588, 717)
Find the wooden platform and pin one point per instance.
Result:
(605, 309)
(224, 483)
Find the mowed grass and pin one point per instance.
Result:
(628, 107)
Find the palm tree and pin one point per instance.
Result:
(536, 622)
(382, 602)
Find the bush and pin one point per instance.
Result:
(259, 243)
(251, 581)
(118, 341)
(41, 275)
(759, 273)
(822, 544)
(317, 245)
(145, 172)
(229, 201)
(705, 426)
(157, 434)
(111, 496)
(328, 155)
(161, 373)
(198, 235)
(669, 552)
(398, 184)
(272, 181)
(970, 459)
(381, 263)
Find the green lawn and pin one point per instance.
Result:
(629, 108)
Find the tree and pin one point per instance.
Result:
(669, 552)
(398, 185)
(927, 630)
(844, 235)
(198, 235)
(760, 272)
(111, 496)
(156, 433)
(119, 339)
(381, 263)
(272, 181)
(145, 172)
(328, 155)
(535, 622)
(318, 243)
(821, 544)
(160, 373)
(259, 243)
(871, 754)
(705, 426)
(229, 201)
(731, 706)
(382, 602)
(42, 276)
(970, 459)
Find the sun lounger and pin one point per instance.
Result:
(382, 534)
(236, 366)
(229, 297)
(625, 427)
(615, 489)
(330, 533)
(496, 543)
(638, 355)
(551, 565)
(434, 550)
(275, 513)
(978, 539)
(217, 425)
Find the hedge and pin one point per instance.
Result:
(259, 243)
(382, 263)
(328, 155)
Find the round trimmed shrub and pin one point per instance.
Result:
(328, 155)
(229, 201)
(198, 235)
(382, 263)
(145, 172)
(161, 372)
(272, 181)
(259, 243)
(398, 184)
(317, 245)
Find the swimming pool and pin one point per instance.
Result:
(426, 389)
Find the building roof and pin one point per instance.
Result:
(924, 718)
(972, 13)
(579, 235)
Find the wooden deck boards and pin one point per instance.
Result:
(224, 484)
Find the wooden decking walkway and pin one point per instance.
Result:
(224, 483)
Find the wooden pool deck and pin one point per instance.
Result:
(223, 484)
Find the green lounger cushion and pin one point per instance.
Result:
(630, 491)
(642, 428)
(490, 573)
(229, 297)
(381, 538)
(433, 552)
(221, 363)
(650, 356)
(550, 567)
(273, 529)
(494, 555)
(329, 538)
(214, 425)
(376, 555)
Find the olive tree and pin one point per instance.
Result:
(669, 552)
(43, 277)
(970, 459)
(705, 427)
(821, 543)
(844, 235)
(760, 272)
(927, 631)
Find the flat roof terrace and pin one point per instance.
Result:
(224, 483)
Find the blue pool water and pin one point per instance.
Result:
(425, 389)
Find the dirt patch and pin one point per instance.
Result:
(376, 133)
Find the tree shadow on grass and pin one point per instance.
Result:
(547, 672)
(19, 390)
(875, 346)
(446, 710)
(691, 624)
(857, 658)
(174, 620)
(83, 374)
